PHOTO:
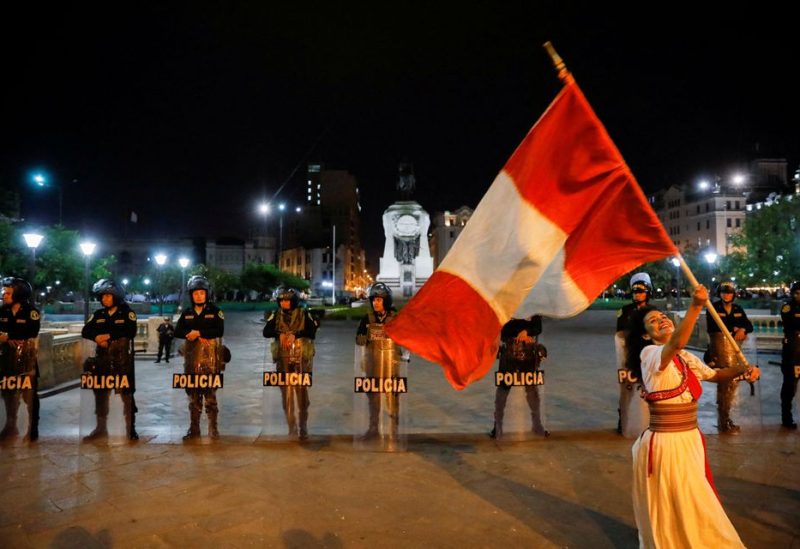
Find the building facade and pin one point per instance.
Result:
(445, 228)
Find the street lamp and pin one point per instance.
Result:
(711, 258)
(160, 260)
(281, 208)
(87, 247)
(32, 240)
(263, 209)
(40, 180)
(183, 262)
(677, 264)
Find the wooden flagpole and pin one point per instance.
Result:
(566, 77)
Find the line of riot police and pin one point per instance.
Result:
(379, 366)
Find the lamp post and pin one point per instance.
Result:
(160, 260)
(711, 258)
(183, 262)
(281, 208)
(677, 264)
(32, 240)
(87, 248)
(40, 180)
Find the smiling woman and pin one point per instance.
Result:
(674, 498)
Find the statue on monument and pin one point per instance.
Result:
(406, 182)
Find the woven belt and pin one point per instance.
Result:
(672, 418)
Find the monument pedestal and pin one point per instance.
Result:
(406, 263)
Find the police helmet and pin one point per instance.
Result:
(198, 282)
(21, 291)
(284, 292)
(726, 286)
(379, 289)
(108, 286)
(641, 281)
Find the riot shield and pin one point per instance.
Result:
(287, 379)
(634, 415)
(18, 386)
(197, 389)
(107, 386)
(380, 393)
(519, 402)
(746, 403)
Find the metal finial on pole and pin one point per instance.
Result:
(558, 63)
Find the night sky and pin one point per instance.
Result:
(190, 115)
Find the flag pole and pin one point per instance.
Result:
(713, 312)
(558, 63)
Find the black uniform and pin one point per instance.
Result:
(627, 391)
(303, 326)
(382, 362)
(18, 356)
(718, 359)
(210, 322)
(737, 318)
(117, 358)
(509, 362)
(166, 332)
(790, 359)
(625, 317)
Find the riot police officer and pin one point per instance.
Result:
(19, 328)
(202, 326)
(293, 329)
(641, 292)
(721, 353)
(790, 356)
(520, 351)
(382, 356)
(113, 329)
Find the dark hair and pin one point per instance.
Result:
(635, 342)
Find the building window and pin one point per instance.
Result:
(698, 225)
(729, 222)
(706, 209)
(698, 208)
(738, 222)
(708, 223)
(737, 204)
(727, 204)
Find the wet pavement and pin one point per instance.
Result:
(453, 487)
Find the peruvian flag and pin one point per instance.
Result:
(563, 220)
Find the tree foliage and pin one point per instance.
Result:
(770, 237)
(59, 261)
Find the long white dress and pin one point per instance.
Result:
(675, 506)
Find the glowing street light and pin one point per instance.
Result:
(87, 247)
(160, 260)
(711, 258)
(32, 240)
(677, 264)
(183, 262)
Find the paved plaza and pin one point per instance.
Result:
(452, 487)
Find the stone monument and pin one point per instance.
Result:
(406, 263)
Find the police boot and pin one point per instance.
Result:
(213, 432)
(537, 426)
(787, 420)
(194, 426)
(101, 431)
(497, 430)
(33, 429)
(130, 427)
(10, 428)
(372, 430)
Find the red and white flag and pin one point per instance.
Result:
(563, 220)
